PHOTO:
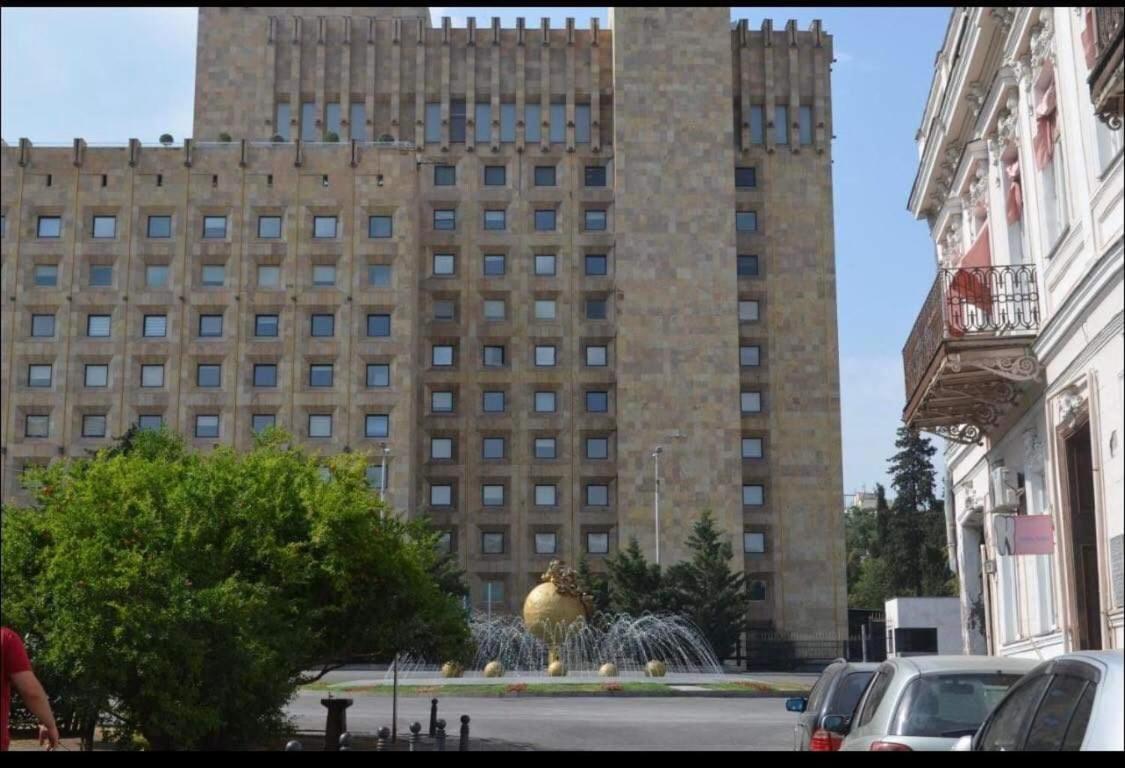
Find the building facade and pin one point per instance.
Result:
(511, 263)
(1016, 356)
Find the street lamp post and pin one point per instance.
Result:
(656, 498)
(383, 473)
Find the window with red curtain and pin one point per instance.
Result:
(1046, 124)
(1015, 190)
(969, 293)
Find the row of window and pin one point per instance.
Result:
(492, 590)
(781, 120)
(554, 123)
(496, 448)
(542, 176)
(546, 543)
(547, 494)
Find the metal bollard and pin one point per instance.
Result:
(464, 746)
(381, 737)
(439, 735)
(415, 729)
(294, 746)
(345, 742)
(433, 716)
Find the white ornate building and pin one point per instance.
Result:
(1017, 354)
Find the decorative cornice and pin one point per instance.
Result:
(1004, 15)
(1042, 39)
(1008, 126)
(974, 94)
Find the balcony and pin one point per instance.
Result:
(1107, 82)
(968, 358)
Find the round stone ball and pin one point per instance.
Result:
(451, 669)
(493, 669)
(609, 669)
(655, 668)
(556, 669)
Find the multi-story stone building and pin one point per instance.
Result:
(1016, 356)
(519, 260)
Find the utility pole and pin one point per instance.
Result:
(656, 498)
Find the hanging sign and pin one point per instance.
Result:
(1024, 534)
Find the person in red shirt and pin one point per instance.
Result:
(16, 668)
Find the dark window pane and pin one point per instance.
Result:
(269, 227)
(159, 226)
(544, 175)
(1006, 727)
(378, 375)
(597, 401)
(323, 325)
(746, 177)
(265, 325)
(595, 221)
(595, 309)
(1049, 727)
(265, 375)
(493, 402)
(320, 375)
(949, 705)
(379, 226)
(101, 276)
(595, 175)
(494, 264)
(545, 220)
(210, 325)
(378, 325)
(596, 264)
(445, 175)
(494, 175)
(747, 266)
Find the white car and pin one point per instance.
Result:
(927, 702)
(1072, 702)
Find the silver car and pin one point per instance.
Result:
(927, 702)
(1072, 702)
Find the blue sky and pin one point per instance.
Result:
(111, 74)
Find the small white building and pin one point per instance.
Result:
(919, 626)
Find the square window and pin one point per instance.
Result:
(324, 227)
(596, 309)
(597, 495)
(495, 176)
(46, 275)
(493, 592)
(209, 376)
(379, 275)
(597, 447)
(493, 448)
(544, 175)
(596, 356)
(495, 264)
(39, 376)
(320, 425)
(754, 543)
(260, 422)
(374, 476)
(595, 220)
(545, 402)
(378, 375)
(43, 326)
(751, 447)
(445, 310)
(324, 275)
(748, 311)
(492, 544)
(492, 495)
(206, 426)
(266, 326)
(494, 356)
(493, 402)
(265, 375)
(97, 375)
(210, 326)
(150, 421)
(320, 375)
(93, 426)
(101, 275)
(545, 309)
(36, 425)
(380, 227)
(152, 375)
(445, 219)
(545, 220)
(746, 221)
(495, 220)
(269, 227)
(751, 402)
(442, 356)
(441, 448)
(545, 356)
(441, 402)
(596, 265)
(49, 227)
(545, 448)
(322, 325)
(214, 227)
(495, 309)
(749, 356)
(747, 266)
(105, 227)
(753, 495)
(269, 276)
(546, 495)
(745, 177)
(597, 543)
(213, 274)
(155, 326)
(545, 264)
(379, 325)
(595, 175)
(445, 175)
(756, 591)
(156, 276)
(445, 264)
(441, 495)
(597, 401)
(546, 543)
(159, 227)
(377, 425)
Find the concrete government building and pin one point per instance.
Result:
(518, 259)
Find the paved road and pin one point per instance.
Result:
(582, 723)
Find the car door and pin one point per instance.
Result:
(1064, 711)
(1005, 729)
(809, 720)
(858, 737)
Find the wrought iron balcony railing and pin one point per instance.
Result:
(970, 304)
(1106, 80)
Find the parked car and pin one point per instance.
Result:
(1072, 702)
(836, 692)
(927, 702)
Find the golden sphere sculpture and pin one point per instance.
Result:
(556, 669)
(451, 669)
(655, 668)
(609, 669)
(553, 607)
(493, 669)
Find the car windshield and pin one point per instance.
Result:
(848, 692)
(949, 705)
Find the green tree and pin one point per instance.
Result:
(594, 584)
(706, 590)
(635, 586)
(191, 594)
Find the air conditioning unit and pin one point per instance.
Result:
(1005, 490)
